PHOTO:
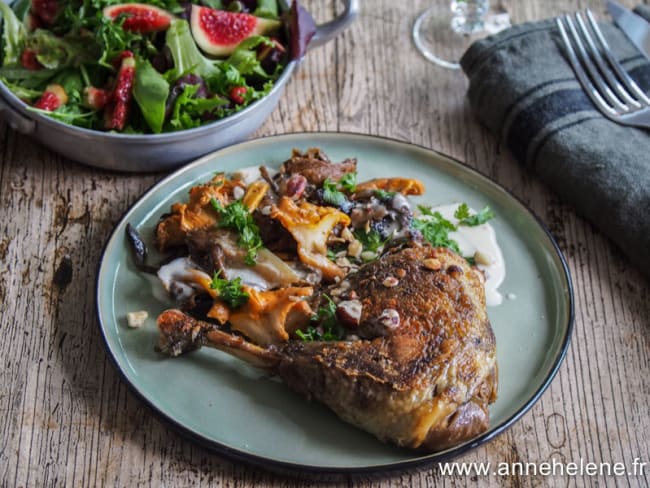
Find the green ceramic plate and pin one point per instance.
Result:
(230, 407)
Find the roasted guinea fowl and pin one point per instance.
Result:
(421, 370)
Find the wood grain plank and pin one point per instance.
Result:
(68, 420)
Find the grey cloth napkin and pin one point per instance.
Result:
(524, 90)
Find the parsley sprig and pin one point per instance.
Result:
(327, 327)
(230, 291)
(236, 216)
(333, 191)
(435, 228)
(464, 216)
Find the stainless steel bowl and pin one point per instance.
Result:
(156, 152)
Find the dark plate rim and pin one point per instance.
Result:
(284, 466)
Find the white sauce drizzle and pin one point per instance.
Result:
(481, 238)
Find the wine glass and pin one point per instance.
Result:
(445, 30)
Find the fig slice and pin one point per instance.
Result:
(139, 17)
(218, 32)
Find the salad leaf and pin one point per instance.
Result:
(27, 78)
(55, 52)
(113, 39)
(13, 36)
(244, 59)
(267, 9)
(187, 57)
(189, 110)
(22, 92)
(150, 92)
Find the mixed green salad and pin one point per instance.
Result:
(138, 68)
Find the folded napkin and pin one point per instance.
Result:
(524, 90)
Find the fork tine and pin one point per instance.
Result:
(620, 91)
(591, 91)
(595, 76)
(623, 76)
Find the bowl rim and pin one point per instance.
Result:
(17, 105)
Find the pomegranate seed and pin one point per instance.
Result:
(29, 61)
(237, 94)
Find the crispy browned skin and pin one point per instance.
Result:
(425, 384)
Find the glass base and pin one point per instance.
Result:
(439, 37)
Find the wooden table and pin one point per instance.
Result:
(68, 420)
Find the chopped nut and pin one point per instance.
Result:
(390, 282)
(348, 313)
(343, 262)
(355, 249)
(347, 235)
(368, 255)
(401, 273)
(389, 318)
(238, 192)
(342, 288)
(480, 258)
(432, 264)
(136, 319)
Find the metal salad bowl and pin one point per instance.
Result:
(157, 152)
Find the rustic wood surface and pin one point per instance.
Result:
(66, 419)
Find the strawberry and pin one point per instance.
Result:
(52, 98)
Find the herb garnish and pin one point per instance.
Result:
(349, 182)
(332, 193)
(328, 328)
(384, 195)
(230, 291)
(435, 228)
(462, 213)
(236, 216)
(371, 240)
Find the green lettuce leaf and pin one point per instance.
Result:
(187, 57)
(13, 36)
(150, 92)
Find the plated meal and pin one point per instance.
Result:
(343, 289)
(242, 408)
(143, 68)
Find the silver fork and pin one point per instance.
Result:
(610, 88)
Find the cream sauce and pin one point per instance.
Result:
(481, 239)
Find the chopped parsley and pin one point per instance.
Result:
(349, 182)
(371, 240)
(384, 195)
(435, 228)
(332, 195)
(464, 217)
(327, 328)
(332, 190)
(236, 216)
(230, 291)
